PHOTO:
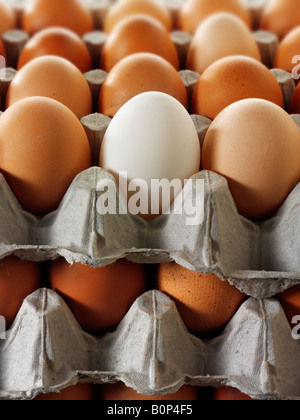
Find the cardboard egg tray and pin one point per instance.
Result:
(151, 350)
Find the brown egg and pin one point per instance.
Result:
(18, 279)
(2, 62)
(79, 392)
(231, 79)
(120, 392)
(2, 56)
(225, 393)
(218, 36)
(138, 73)
(43, 147)
(294, 107)
(126, 8)
(138, 33)
(71, 14)
(290, 301)
(204, 302)
(102, 300)
(255, 144)
(280, 16)
(57, 41)
(7, 21)
(193, 12)
(53, 77)
(287, 56)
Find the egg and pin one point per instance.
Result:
(138, 33)
(218, 36)
(98, 297)
(52, 77)
(205, 303)
(225, 393)
(3, 54)
(43, 147)
(79, 392)
(138, 73)
(280, 16)
(152, 137)
(71, 14)
(120, 392)
(18, 279)
(126, 8)
(290, 302)
(255, 144)
(193, 12)
(7, 21)
(287, 54)
(57, 41)
(294, 107)
(231, 79)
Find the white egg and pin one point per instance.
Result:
(151, 138)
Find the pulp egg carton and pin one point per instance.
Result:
(151, 351)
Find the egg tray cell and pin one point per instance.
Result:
(151, 351)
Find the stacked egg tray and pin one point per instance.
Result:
(151, 351)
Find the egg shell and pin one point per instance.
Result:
(2, 49)
(7, 21)
(255, 144)
(225, 393)
(193, 12)
(79, 392)
(138, 33)
(126, 8)
(290, 301)
(280, 17)
(120, 392)
(52, 77)
(71, 14)
(98, 297)
(204, 302)
(151, 137)
(57, 41)
(287, 55)
(18, 279)
(43, 147)
(218, 36)
(294, 106)
(231, 79)
(138, 73)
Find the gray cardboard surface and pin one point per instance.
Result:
(151, 351)
(259, 259)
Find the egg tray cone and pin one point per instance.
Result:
(151, 351)
(260, 259)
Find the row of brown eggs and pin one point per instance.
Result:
(205, 303)
(277, 16)
(232, 34)
(98, 308)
